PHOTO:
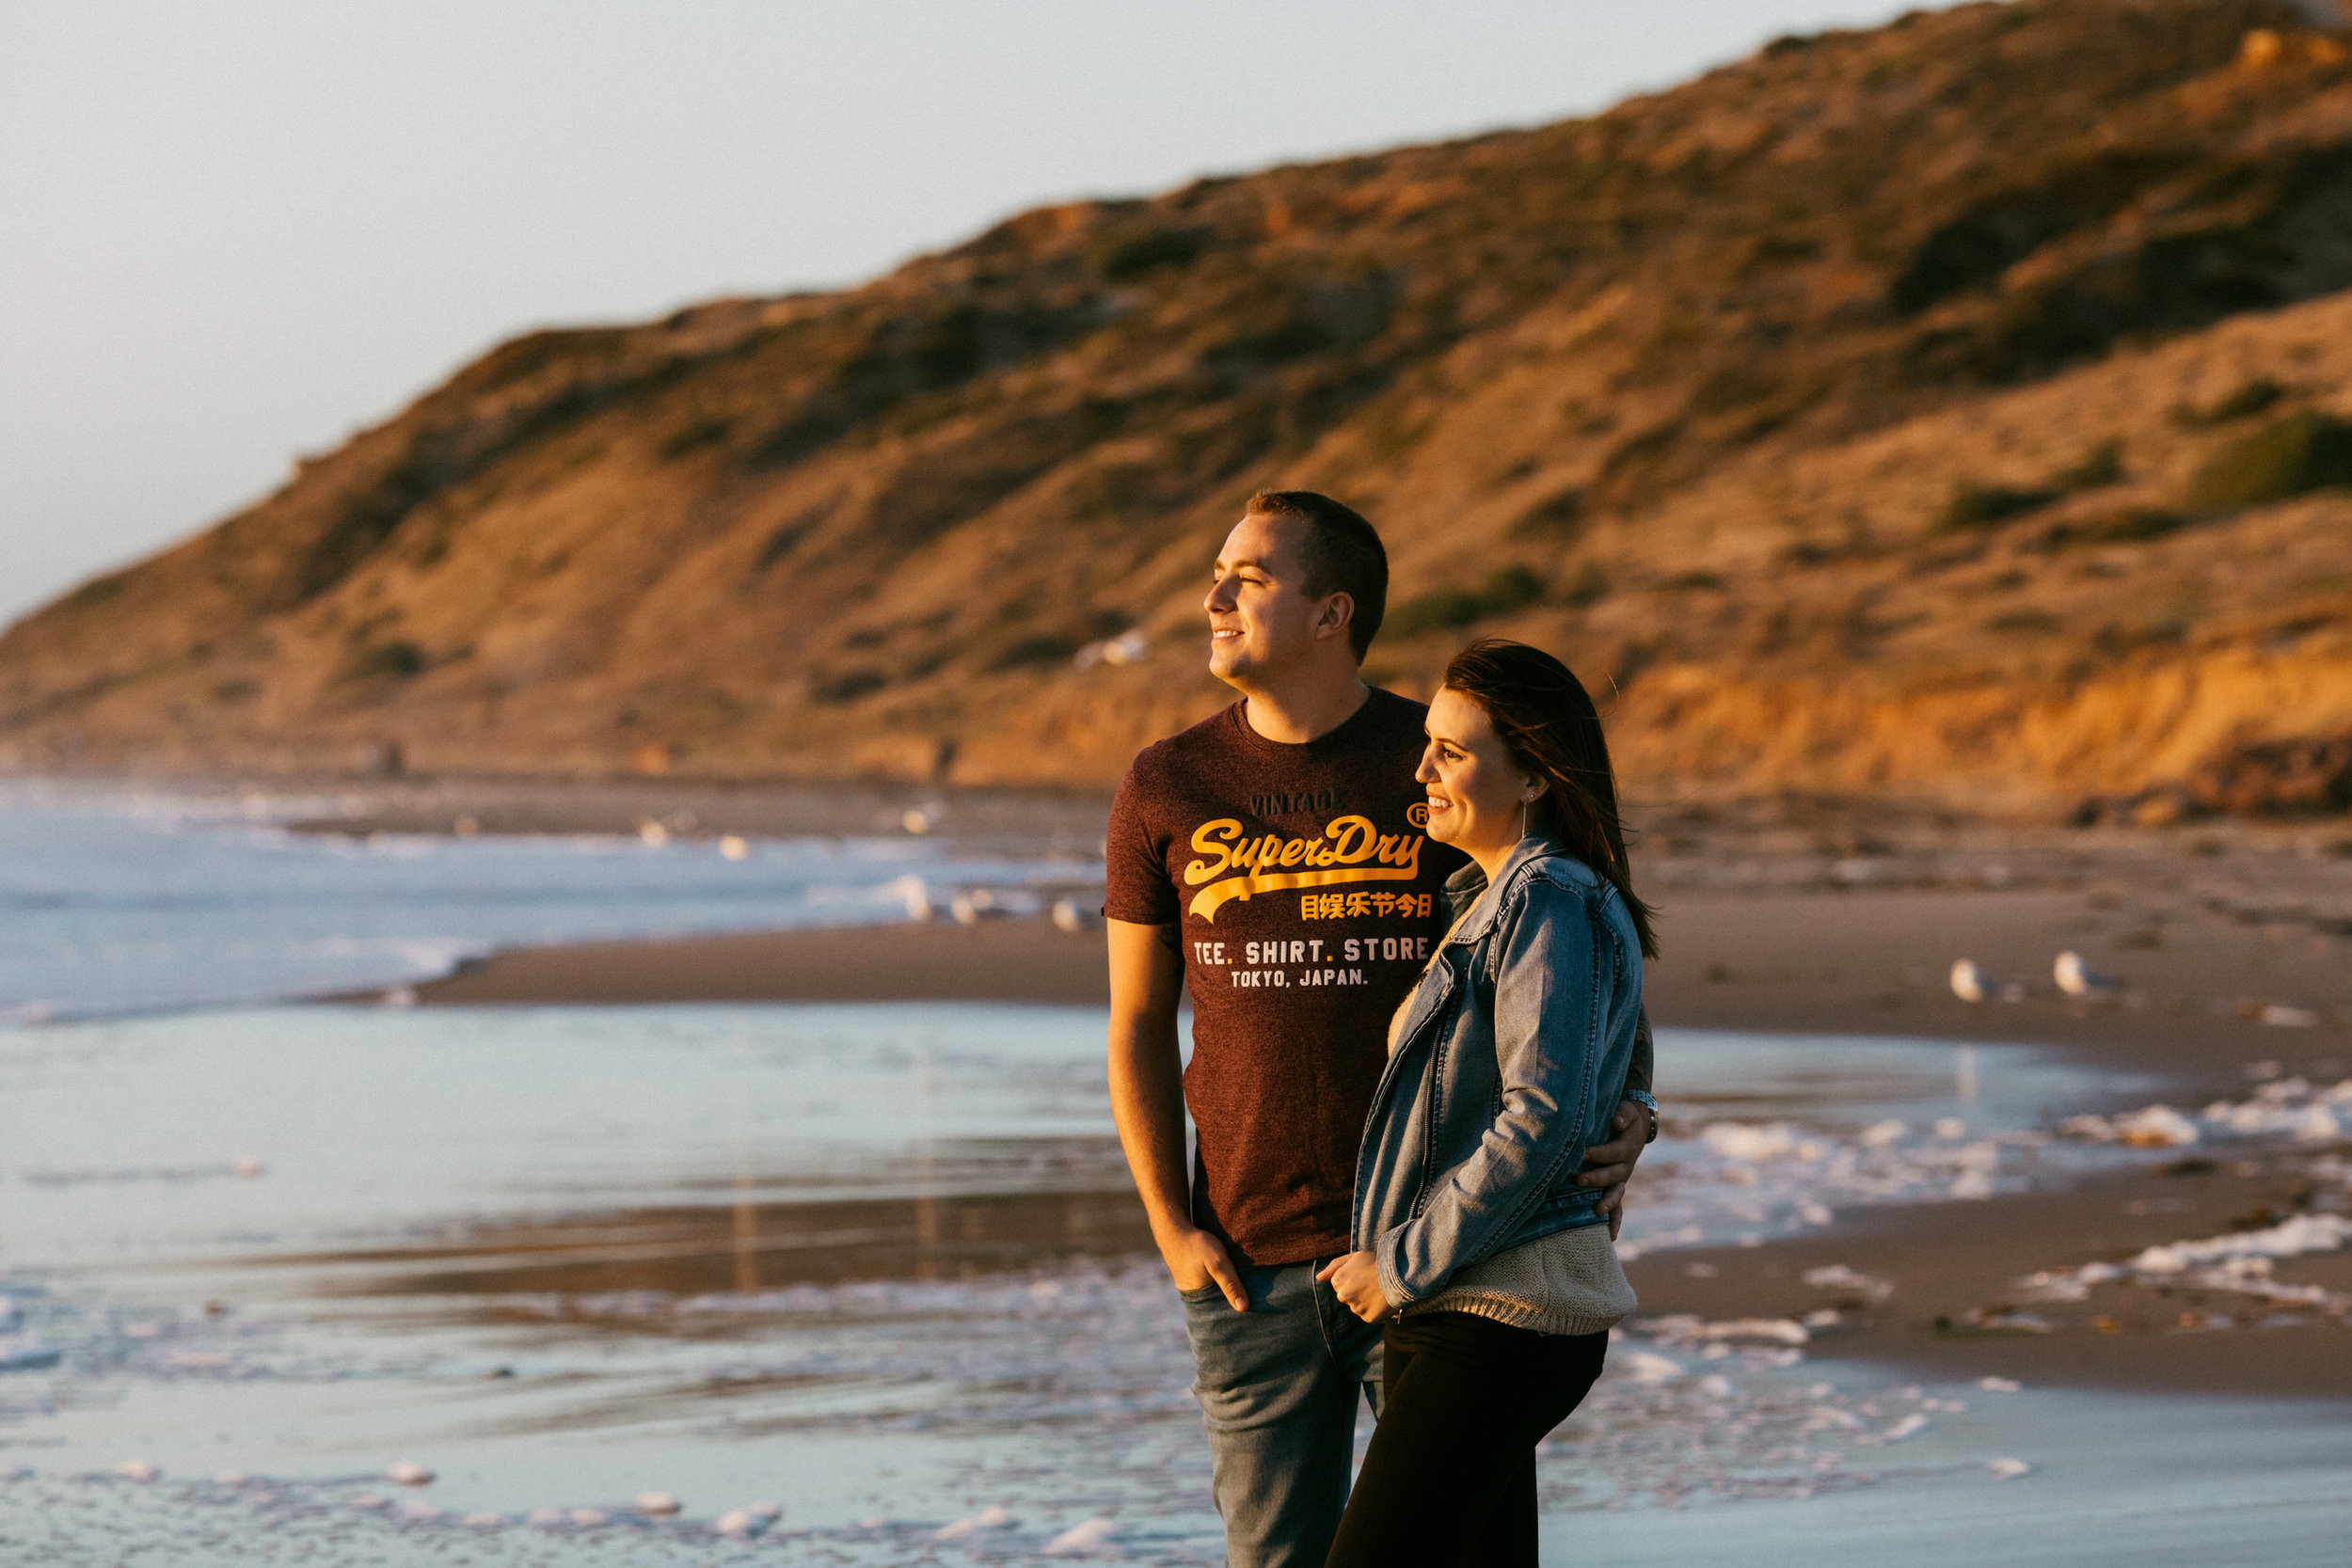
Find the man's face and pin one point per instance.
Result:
(1260, 617)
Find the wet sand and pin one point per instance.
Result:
(1868, 962)
(997, 961)
(2194, 973)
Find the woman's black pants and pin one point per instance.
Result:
(1450, 1478)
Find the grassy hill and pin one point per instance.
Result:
(1960, 410)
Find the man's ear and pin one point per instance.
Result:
(1337, 612)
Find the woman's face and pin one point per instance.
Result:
(1475, 793)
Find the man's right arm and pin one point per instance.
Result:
(1148, 1103)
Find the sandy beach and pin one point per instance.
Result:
(2201, 948)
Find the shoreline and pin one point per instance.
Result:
(1857, 963)
(2192, 984)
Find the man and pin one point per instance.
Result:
(1273, 861)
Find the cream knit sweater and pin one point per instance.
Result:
(1568, 1282)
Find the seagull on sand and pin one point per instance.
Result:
(1971, 984)
(2078, 978)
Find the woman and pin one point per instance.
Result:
(1494, 1277)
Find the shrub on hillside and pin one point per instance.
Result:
(1556, 517)
(2242, 401)
(1135, 254)
(2102, 465)
(2132, 526)
(397, 659)
(2305, 452)
(1973, 506)
(1512, 587)
(845, 687)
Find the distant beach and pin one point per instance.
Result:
(2203, 937)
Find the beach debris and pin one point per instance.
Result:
(2291, 1238)
(993, 1518)
(484, 1521)
(231, 1478)
(734, 847)
(1647, 1367)
(417, 1510)
(23, 1353)
(369, 1502)
(546, 1519)
(2279, 1015)
(408, 1472)
(2240, 1262)
(2007, 1469)
(740, 1522)
(1910, 1426)
(587, 1518)
(1689, 1328)
(136, 1469)
(768, 1512)
(652, 834)
(659, 1505)
(1090, 1535)
(1072, 916)
(916, 821)
(1884, 1135)
(2000, 1385)
(1838, 1276)
(1972, 984)
(2002, 1320)
(1736, 1140)
(911, 891)
(2288, 1105)
(2152, 1127)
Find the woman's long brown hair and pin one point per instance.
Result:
(1548, 724)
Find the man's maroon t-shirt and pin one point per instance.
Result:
(1308, 897)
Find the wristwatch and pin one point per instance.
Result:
(1648, 1101)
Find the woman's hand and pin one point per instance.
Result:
(1356, 1280)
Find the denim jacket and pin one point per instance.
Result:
(1508, 1058)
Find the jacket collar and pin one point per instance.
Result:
(1471, 883)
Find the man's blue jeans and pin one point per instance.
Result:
(1277, 1387)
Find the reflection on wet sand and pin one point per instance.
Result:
(746, 1245)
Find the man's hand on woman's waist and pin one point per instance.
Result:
(1611, 1165)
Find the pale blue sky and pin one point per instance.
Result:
(236, 232)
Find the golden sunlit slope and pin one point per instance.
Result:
(1954, 410)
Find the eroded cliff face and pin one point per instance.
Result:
(1955, 409)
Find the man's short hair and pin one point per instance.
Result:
(1341, 554)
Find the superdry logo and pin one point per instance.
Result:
(1296, 801)
(1350, 849)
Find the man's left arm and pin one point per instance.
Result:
(1631, 1128)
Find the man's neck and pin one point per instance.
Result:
(1294, 714)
